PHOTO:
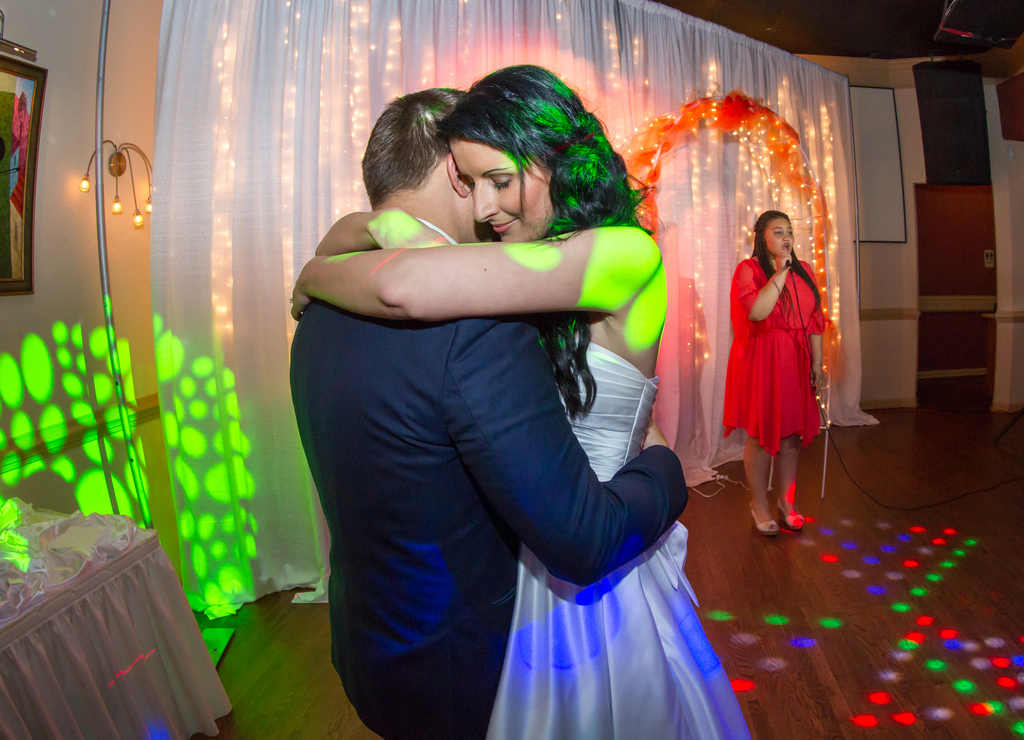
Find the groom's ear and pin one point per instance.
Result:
(453, 175)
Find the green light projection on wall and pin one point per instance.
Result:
(206, 451)
(56, 416)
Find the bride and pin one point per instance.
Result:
(625, 657)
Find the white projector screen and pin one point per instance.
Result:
(881, 209)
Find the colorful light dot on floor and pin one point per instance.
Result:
(1016, 703)
(971, 646)
(851, 573)
(983, 708)
(828, 558)
(900, 607)
(925, 621)
(866, 720)
(803, 642)
(947, 564)
(831, 623)
(933, 577)
(903, 537)
(938, 541)
(1019, 728)
(883, 525)
(1006, 682)
(959, 553)
(847, 522)
(917, 530)
(720, 616)
(970, 543)
(907, 645)
(744, 638)
(879, 697)
(995, 642)
(918, 591)
(827, 531)
(887, 548)
(980, 664)
(903, 656)
(771, 664)
(894, 575)
(889, 676)
(904, 718)
(935, 665)
(911, 564)
(925, 550)
(1000, 662)
(742, 684)
(915, 637)
(871, 560)
(849, 545)
(938, 714)
(948, 634)
(953, 645)
(963, 686)
(1018, 660)
(776, 619)
(876, 590)
(810, 519)
(949, 532)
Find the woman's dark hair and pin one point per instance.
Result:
(536, 119)
(764, 258)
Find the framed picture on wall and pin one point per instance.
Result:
(21, 107)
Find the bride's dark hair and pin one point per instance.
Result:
(537, 120)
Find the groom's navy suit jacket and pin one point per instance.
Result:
(436, 449)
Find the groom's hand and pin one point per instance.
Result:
(654, 436)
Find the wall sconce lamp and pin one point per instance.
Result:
(119, 162)
(9, 47)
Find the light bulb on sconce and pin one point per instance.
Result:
(118, 164)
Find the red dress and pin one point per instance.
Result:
(768, 392)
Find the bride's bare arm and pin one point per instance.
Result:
(390, 228)
(608, 270)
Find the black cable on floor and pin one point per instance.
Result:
(914, 508)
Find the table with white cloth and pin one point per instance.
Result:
(97, 639)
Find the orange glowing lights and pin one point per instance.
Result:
(865, 720)
(830, 558)
(904, 718)
(911, 564)
(879, 697)
(1006, 682)
(926, 621)
(980, 708)
(948, 634)
(742, 684)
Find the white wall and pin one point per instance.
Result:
(65, 35)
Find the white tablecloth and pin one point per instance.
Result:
(114, 655)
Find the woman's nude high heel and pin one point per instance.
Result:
(793, 521)
(769, 528)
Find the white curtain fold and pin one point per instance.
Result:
(263, 111)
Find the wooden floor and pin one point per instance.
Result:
(843, 621)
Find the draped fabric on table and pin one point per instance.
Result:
(263, 111)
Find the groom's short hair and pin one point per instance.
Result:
(404, 146)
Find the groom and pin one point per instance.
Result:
(436, 449)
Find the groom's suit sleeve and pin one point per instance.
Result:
(505, 419)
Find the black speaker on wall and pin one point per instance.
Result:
(951, 101)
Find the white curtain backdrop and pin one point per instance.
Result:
(263, 111)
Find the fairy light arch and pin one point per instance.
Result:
(771, 143)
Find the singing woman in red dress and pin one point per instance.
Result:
(774, 366)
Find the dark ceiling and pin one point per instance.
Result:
(882, 29)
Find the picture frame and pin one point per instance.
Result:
(21, 107)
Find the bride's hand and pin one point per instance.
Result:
(300, 299)
(654, 436)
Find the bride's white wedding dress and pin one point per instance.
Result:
(626, 657)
